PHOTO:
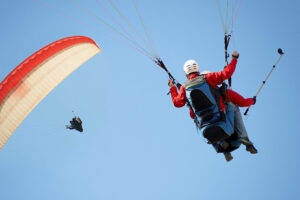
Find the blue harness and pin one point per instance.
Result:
(217, 127)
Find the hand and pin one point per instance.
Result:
(235, 54)
(170, 83)
(254, 99)
(178, 85)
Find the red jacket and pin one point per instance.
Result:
(237, 99)
(214, 79)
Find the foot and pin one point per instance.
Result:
(251, 149)
(246, 141)
(228, 156)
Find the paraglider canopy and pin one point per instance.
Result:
(38, 75)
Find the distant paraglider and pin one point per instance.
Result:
(75, 123)
(37, 76)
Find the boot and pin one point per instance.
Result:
(251, 149)
(228, 156)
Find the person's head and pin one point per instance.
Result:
(190, 67)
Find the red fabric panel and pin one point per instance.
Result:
(16, 76)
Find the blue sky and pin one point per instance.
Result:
(136, 145)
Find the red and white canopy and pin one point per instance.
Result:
(36, 76)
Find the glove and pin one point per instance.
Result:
(170, 83)
(235, 55)
(254, 99)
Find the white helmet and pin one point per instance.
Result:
(190, 66)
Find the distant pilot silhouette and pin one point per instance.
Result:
(76, 124)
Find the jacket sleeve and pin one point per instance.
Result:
(217, 78)
(179, 100)
(192, 115)
(237, 99)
